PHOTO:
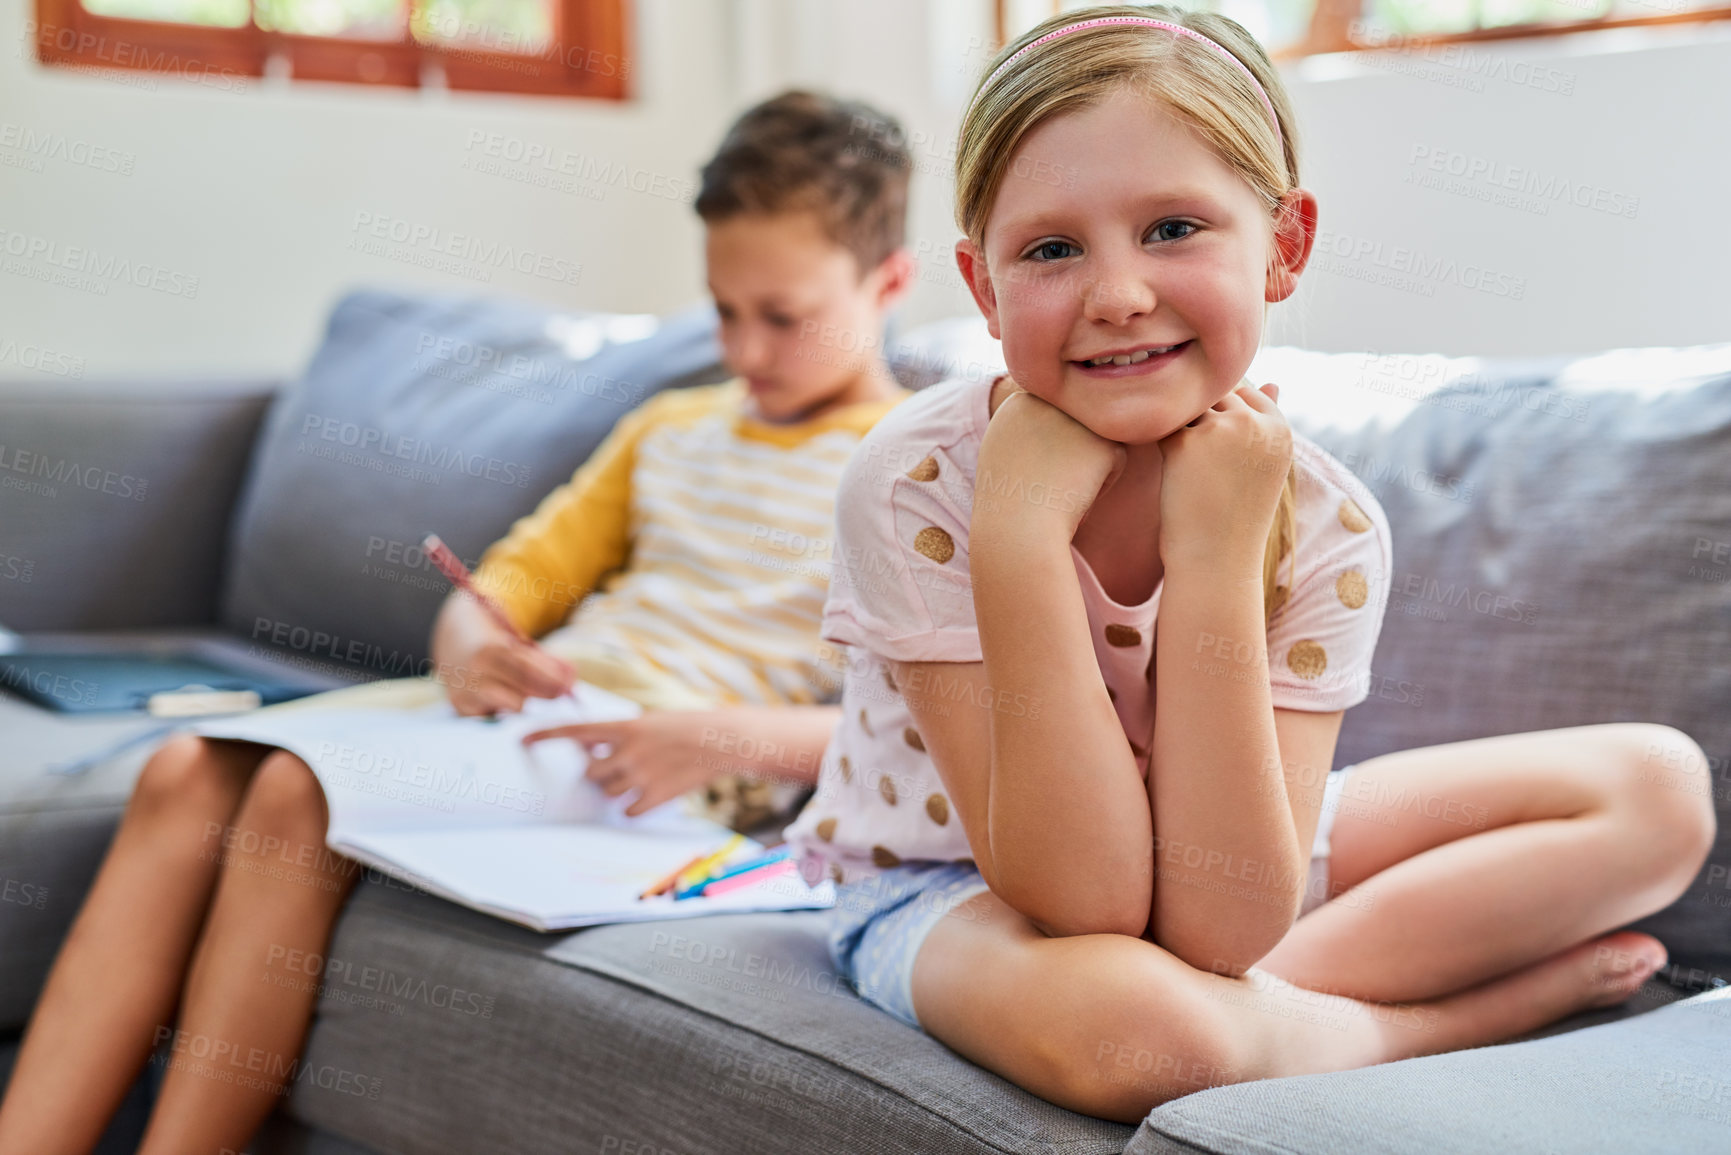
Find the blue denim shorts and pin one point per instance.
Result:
(878, 924)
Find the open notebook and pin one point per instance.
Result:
(458, 807)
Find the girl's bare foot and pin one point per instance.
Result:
(1598, 973)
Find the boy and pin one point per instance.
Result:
(696, 608)
(700, 526)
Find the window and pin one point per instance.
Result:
(1290, 28)
(546, 47)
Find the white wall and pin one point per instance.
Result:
(1634, 121)
(257, 194)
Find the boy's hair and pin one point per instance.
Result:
(844, 162)
(1084, 68)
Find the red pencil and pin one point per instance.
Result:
(453, 568)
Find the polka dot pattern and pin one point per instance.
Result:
(884, 858)
(865, 723)
(938, 808)
(912, 737)
(936, 544)
(1123, 636)
(1352, 517)
(1307, 659)
(1352, 589)
(926, 470)
(826, 830)
(845, 765)
(887, 787)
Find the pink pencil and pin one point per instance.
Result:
(749, 878)
(453, 568)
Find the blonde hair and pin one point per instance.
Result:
(1195, 82)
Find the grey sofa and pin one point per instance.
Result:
(1560, 555)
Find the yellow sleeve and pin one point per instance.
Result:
(554, 556)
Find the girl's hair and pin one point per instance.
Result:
(1082, 69)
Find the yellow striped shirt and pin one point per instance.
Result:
(694, 543)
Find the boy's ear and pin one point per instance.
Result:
(1294, 236)
(895, 276)
(972, 263)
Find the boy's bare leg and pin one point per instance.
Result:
(280, 891)
(1114, 1026)
(119, 974)
(1470, 860)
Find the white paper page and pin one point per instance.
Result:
(431, 769)
(558, 877)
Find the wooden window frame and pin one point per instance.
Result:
(1332, 25)
(588, 57)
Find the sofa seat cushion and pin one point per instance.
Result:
(444, 1030)
(1658, 1083)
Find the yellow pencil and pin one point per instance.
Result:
(700, 863)
(696, 873)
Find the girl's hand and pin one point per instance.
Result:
(487, 669)
(1037, 459)
(1222, 476)
(659, 754)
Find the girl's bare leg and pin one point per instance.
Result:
(1470, 860)
(240, 1033)
(119, 974)
(1114, 1026)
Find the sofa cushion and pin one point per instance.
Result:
(718, 1034)
(115, 498)
(1562, 556)
(1656, 1083)
(427, 414)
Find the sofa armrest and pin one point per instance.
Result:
(115, 499)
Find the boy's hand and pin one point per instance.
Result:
(660, 754)
(486, 668)
(1035, 458)
(1222, 476)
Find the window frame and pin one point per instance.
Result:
(592, 60)
(1332, 23)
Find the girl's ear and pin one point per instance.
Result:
(972, 263)
(1294, 235)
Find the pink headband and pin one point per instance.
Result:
(1177, 29)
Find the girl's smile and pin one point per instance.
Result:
(1141, 362)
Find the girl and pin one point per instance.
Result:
(1131, 830)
